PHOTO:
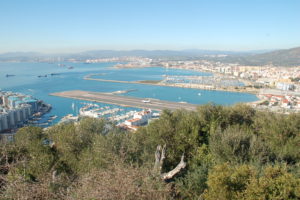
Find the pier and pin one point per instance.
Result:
(125, 101)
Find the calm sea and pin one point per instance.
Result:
(26, 81)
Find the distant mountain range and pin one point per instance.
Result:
(162, 54)
(159, 53)
(10, 55)
(287, 57)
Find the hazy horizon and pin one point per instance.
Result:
(128, 50)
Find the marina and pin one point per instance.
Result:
(129, 120)
(93, 110)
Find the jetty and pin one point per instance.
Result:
(125, 101)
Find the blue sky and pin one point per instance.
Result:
(78, 25)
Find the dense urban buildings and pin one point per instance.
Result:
(277, 87)
(17, 109)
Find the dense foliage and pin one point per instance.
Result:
(231, 153)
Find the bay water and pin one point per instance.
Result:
(69, 76)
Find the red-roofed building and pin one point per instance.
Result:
(139, 118)
(285, 102)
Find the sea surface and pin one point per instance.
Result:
(26, 81)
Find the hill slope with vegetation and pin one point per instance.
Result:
(230, 153)
(285, 57)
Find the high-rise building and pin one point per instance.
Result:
(4, 121)
(15, 109)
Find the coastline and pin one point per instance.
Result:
(179, 85)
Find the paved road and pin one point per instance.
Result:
(278, 92)
(126, 101)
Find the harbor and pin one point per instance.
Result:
(129, 120)
(60, 78)
(125, 101)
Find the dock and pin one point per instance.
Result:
(125, 101)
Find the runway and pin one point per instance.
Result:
(125, 101)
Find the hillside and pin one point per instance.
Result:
(214, 152)
(286, 57)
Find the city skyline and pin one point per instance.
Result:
(67, 26)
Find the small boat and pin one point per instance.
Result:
(9, 75)
(146, 101)
(155, 114)
(43, 124)
(53, 74)
(32, 122)
(71, 67)
(40, 76)
(53, 117)
(199, 94)
(36, 119)
(69, 118)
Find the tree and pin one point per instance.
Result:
(244, 182)
(37, 155)
(275, 183)
(228, 183)
(237, 145)
(281, 134)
